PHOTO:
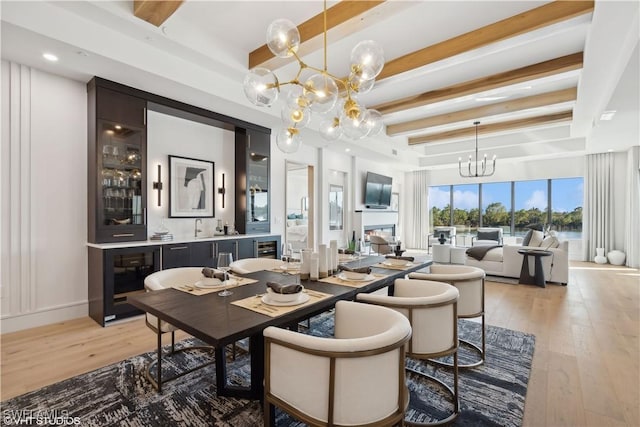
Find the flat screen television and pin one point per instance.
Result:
(377, 191)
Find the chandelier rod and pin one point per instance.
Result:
(325, 35)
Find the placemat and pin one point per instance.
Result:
(255, 304)
(191, 289)
(353, 283)
(396, 267)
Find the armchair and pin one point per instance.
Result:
(328, 381)
(380, 245)
(487, 236)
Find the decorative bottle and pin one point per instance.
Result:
(352, 243)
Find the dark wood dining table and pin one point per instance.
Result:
(214, 320)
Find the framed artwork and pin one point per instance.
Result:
(395, 201)
(190, 188)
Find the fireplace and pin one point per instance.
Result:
(387, 229)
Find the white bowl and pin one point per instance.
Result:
(352, 275)
(393, 261)
(282, 298)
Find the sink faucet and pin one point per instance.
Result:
(197, 230)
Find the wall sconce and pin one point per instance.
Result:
(157, 185)
(222, 190)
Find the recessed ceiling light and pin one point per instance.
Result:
(50, 57)
(610, 150)
(118, 127)
(347, 149)
(608, 115)
(490, 98)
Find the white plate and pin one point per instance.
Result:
(209, 282)
(364, 279)
(302, 298)
(393, 264)
(289, 267)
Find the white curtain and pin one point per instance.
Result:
(632, 208)
(417, 219)
(598, 210)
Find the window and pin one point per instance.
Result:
(466, 215)
(439, 206)
(531, 201)
(336, 207)
(496, 206)
(566, 203)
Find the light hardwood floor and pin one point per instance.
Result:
(585, 369)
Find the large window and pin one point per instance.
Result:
(466, 215)
(440, 205)
(551, 203)
(496, 206)
(531, 200)
(566, 203)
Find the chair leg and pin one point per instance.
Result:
(173, 342)
(159, 361)
(269, 415)
(452, 392)
(478, 349)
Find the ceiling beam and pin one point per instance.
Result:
(475, 113)
(564, 116)
(530, 20)
(507, 78)
(336, 15)
(155, 11)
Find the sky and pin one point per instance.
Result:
(566, 195)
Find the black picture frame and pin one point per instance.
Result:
(191, 188)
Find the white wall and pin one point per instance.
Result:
(44, 198)
(170, 135)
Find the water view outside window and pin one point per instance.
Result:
(531, 201)
(496, 206)
(554, 203)
(439, 206)
(566, 207)
(466, 215)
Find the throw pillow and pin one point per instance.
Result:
(291, 216)
(536, 238)
(291, 222)
(550, 242)
(527, 238)
(489, 235)
(437, 233)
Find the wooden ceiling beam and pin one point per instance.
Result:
(564, 116)
(507, 78)
(155, 11)
(513, 26)
(336, 15)
(475, 113)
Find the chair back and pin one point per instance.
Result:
(488, 236)
(469, 281)
(251, 265)
(355, 378)
(431, 308)
(380, 245)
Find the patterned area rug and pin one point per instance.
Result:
(119, 394)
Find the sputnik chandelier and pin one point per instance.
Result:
(321, 92)
(483, 163)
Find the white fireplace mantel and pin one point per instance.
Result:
(373, 217)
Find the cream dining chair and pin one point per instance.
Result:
(431, 308)
(355, 378)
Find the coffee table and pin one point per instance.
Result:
(214, 320)
(538, 277)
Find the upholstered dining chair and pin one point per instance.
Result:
(251, 265)
(161, 280)
(379, 245)
(355, 378)
(470, 282)
(431, 308)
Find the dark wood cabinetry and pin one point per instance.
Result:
(115, 274)
(252, 173)
(117, 150)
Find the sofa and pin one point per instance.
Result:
(505, 261)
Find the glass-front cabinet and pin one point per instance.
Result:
(252, 181)
(117, 165)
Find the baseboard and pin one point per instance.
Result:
(43, 317)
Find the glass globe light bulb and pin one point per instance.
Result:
(295, 116)
(354, 126)
(288, 140)
(261, 87)
(361, 86)
(322, 92)
(283, 38)
(330, 129)
(368, 59)
(374, 122)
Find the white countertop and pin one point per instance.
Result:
(140, 243)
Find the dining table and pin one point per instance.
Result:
(220, 321)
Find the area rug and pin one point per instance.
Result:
(119, 394)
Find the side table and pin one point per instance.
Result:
(442, 253)
(458, 255)
(538, 276)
